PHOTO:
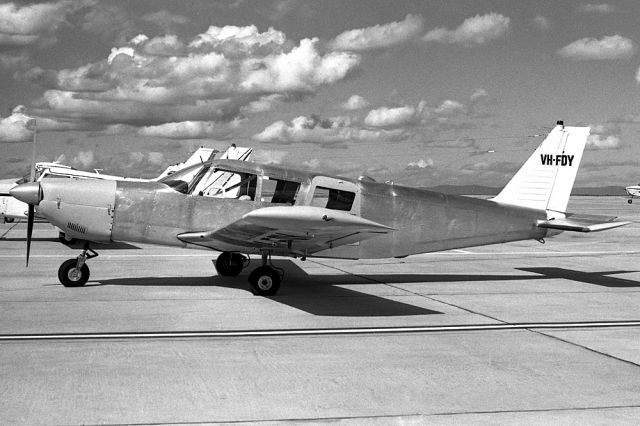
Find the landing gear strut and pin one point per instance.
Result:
(75, 272)
(230, 264)
(265, 280)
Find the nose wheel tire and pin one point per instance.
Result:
(265, 281)
(71, 276)
(630, 201)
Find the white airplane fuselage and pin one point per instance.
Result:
(633, 191)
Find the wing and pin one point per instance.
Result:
(582, 223)
(302, 230)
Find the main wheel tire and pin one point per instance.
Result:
(70, 276)
(229, 264)
(630, 201)
(265, 281)
(9, 220)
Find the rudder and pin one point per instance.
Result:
(546, 179)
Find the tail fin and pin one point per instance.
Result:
(545, 181)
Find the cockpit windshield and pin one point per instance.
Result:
(209, 180)
(184, 180)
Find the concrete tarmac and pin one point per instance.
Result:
(322, 361)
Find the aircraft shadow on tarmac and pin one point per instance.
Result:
(322, 295)
(77, 244)
(42, 239)
(317, 295)
(101, 247)
(603, 279)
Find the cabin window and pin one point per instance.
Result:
(279, 191)
(334, 199)
(226, 184)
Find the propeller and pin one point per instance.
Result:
(29, 231)
(30, 193)
(31, 125)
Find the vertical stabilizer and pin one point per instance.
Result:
(545, 181)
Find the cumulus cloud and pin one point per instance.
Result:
(108, 22)
(609, 47)
(390, 117)
(604, 137)
(33, 23)
(19, 126)
(476, 30)
(541, 22)
(334, 131)
(478, 95)
(269, 156)
(14, 61)
(189, 130)
(356, 102)
(165, 20)
(263, 104)
(450, 107)
(602, 8)
(14, 128)
(421, 164)
(379, 36)
(217, 76)
(83, 160)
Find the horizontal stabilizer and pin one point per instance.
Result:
(581, 223)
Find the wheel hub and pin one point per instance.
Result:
(74, 274)
(265, 282)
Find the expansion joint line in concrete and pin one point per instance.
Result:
(9, 230)
(301, 332)
(551, 336)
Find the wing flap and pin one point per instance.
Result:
(302, 229)
(582, 223)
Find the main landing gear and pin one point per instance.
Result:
(264, 280)
(75, 272)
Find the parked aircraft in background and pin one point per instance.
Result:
(11, 208)
(241, 208)
(633, 191)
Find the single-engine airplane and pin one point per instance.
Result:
(633, 191)
(241, 208)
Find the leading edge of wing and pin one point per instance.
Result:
(582, 223)
(316, 218)
(290, 222)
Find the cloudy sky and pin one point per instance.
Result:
(420, 92)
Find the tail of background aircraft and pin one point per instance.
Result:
(545, 181)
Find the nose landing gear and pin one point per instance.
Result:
(75, 272)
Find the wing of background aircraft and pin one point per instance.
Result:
(300, 229)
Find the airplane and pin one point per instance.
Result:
(12, 209)
(633, 191)
(270, 211)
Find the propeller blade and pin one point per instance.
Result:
(29, 230)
